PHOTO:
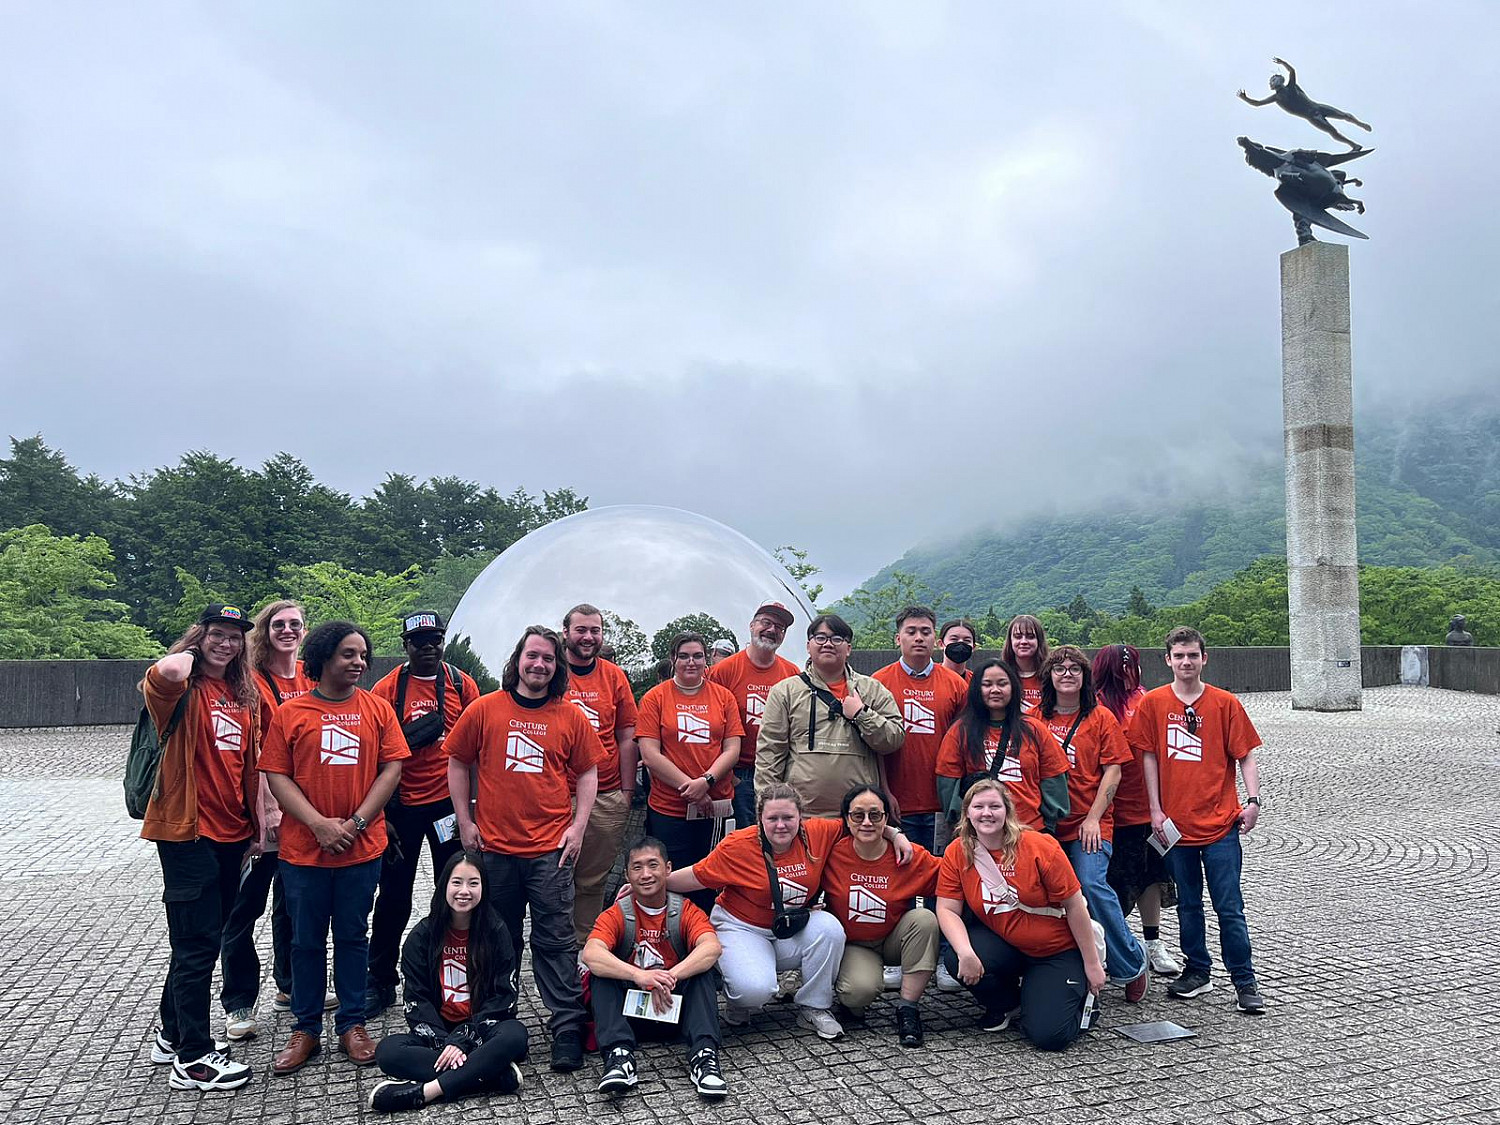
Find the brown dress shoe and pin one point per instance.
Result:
(299, 1048)
(357, 1044)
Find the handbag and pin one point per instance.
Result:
(422, 732)
(785, 922)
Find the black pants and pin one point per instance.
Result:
(687, 842)
(698, 1026)
(408, 825)
(517, 882)
(239, 958)
(1049, 990)
(487, 1070)
(199, 882)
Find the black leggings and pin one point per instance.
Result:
(1048, 990)
(411, 1058)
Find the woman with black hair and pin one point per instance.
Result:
(332, 759)
(992, 737)
(457, 968)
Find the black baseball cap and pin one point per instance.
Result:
(231, 614)
(422, 621)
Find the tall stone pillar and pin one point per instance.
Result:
(1318, 413)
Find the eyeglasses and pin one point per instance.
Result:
(1067, 670)
(1193, 719)
(689, 657)
(828, 640)
(867, 816)
(287, 626)
(217, 637)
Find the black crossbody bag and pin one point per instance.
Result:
(785, 922)
(422, 732)
(993, 773)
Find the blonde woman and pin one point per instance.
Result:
(1026, 946)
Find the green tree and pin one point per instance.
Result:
(1137, 605)
(460, 653)
(195, 597)
(795, 561)
(38, 486)
(873, 612)
(376, 601)
(707, 624)
(632, 650)
(446, 581)
(52, 603)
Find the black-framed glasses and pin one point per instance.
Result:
(1193, 719)
(867, 816)
(688, 657)
(1068, 670)
(828, 640)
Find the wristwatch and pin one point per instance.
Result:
(360, 823)
(711, 779)
(1253, 801)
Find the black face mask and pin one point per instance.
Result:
(958, 652)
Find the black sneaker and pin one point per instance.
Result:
(619, 1072)
(392, 1096)
(213, 1071)
(909, 1026)
(1191, 983)
(704, 1068)
(1250, 1001)
(378, 997)
(567, 1051)
(509, 1079)
(997, 1020)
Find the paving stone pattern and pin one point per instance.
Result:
(1372, 893)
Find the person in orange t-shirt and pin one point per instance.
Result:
(652, 963)
(1026, 946)
(1025, 649)
(929, 698)
(872, 897)
(993, 738)
(1137, 872)
(750, 675)
(601, 690)
(201, 815)
(527, 739)
(689, 732)
(1096, 749)
(422, 808)
(958, 639)
(1191, 735)
(333, 758)
(272, 644)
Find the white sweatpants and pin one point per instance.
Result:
(753, 956)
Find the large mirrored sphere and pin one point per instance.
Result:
(647, 565)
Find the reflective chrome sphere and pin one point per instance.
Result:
(646, 564)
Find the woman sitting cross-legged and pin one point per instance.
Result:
(457, 966)
(1016, 920)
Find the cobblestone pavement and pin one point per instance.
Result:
(1372, 893)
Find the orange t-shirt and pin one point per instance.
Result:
(524, 755)
(1039, 757)
(1196, 771)
(691, 730)
(454, 976)
(424, 778)
(1098, 742)
(333, 751)
(222, 752)
(653, 947)
(750, 685)
(869, 898)
(1041, 876)
(1031, 693)
(605, 698)
(737, 867)
(928, 705)
(299, 685)
(1131, 803)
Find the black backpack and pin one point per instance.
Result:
(144, 758)
(626, 949)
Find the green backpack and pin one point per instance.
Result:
(144, 758)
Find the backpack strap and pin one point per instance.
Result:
(401, 690)
(177, 713)
(626, 949)
(271, 683)
(674, 924)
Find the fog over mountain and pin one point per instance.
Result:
(846, 275)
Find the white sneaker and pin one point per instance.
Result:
(736, 1016)
(1161, 958)
(240, 1024)
(213, 1071)
(820, 1020)
(163, 1051)
(892, 977)
(946, 981)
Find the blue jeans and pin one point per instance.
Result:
(1123, 955)
(1220, 861)
(919, 827)
(315, 898)
(744, 796)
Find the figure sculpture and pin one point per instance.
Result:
(1291, 97)
(1308, 185)
(1458, 632)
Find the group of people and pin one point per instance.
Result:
(991, 827)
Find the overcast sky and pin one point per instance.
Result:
(843, 275)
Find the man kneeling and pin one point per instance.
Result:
(665, 947)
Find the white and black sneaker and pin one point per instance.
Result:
(213, 1071)
(704, 1067)
(163, 1051)
(619, 1072)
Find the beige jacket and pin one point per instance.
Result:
(843, 754)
